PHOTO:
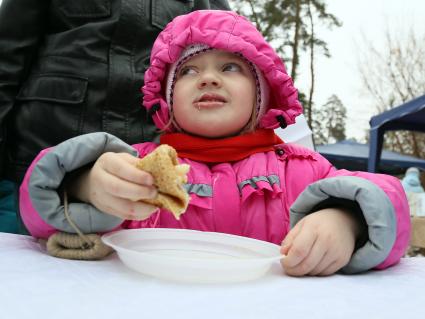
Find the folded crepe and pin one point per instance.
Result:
(169, 178)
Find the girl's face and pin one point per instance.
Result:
(214, 94)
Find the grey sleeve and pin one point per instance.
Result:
(50, 170)
(377, 209)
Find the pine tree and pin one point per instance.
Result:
(289, 26)
(329, 122)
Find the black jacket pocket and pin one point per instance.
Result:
(64, 89)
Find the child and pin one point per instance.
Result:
(217, 90)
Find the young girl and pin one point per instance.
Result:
(217, 90)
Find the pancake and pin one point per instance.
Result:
(169, 178)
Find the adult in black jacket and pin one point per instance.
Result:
(74, 67)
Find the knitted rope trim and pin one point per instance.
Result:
(76, 246)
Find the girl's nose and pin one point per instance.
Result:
(209, 79)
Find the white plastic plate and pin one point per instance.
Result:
(193, 256)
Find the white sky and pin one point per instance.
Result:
(339, 74)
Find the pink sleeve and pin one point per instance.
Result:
(395, 192)
(36, 226)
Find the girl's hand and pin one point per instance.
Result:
(115, 186)
(321, 243)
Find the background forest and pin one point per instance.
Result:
(388, 75)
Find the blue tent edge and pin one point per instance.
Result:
(388, 120)
(352, 155)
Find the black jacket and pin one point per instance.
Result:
(69, 67)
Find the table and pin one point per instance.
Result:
(36, 285)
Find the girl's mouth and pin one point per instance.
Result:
(209, 100)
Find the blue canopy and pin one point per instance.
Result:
(354, 156)
(408, 116)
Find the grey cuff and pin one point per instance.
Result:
(376, 207)
(51, 169)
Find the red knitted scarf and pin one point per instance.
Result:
(227, 149)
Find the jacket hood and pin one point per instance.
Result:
(227, 31)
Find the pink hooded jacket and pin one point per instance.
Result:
(261, 196)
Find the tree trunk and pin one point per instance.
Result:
(295, 57)
(254, 15)
(310, 98)
(415, 146)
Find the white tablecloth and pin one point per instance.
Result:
(35, 285)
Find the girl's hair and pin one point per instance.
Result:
(171, 123)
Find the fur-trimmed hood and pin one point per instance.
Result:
(228, 31)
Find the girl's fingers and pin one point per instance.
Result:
(316, 254)
(330, 269)
(118, 187)
(340, 259)
(114, 183)
(331, 263)
(128, 210)
(287, 242)
(300, 248)
(322, 265)
(123, 165)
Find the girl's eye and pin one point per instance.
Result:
(231, 67)
(186, 70)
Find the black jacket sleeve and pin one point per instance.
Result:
(213, 4)
(22, 25)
